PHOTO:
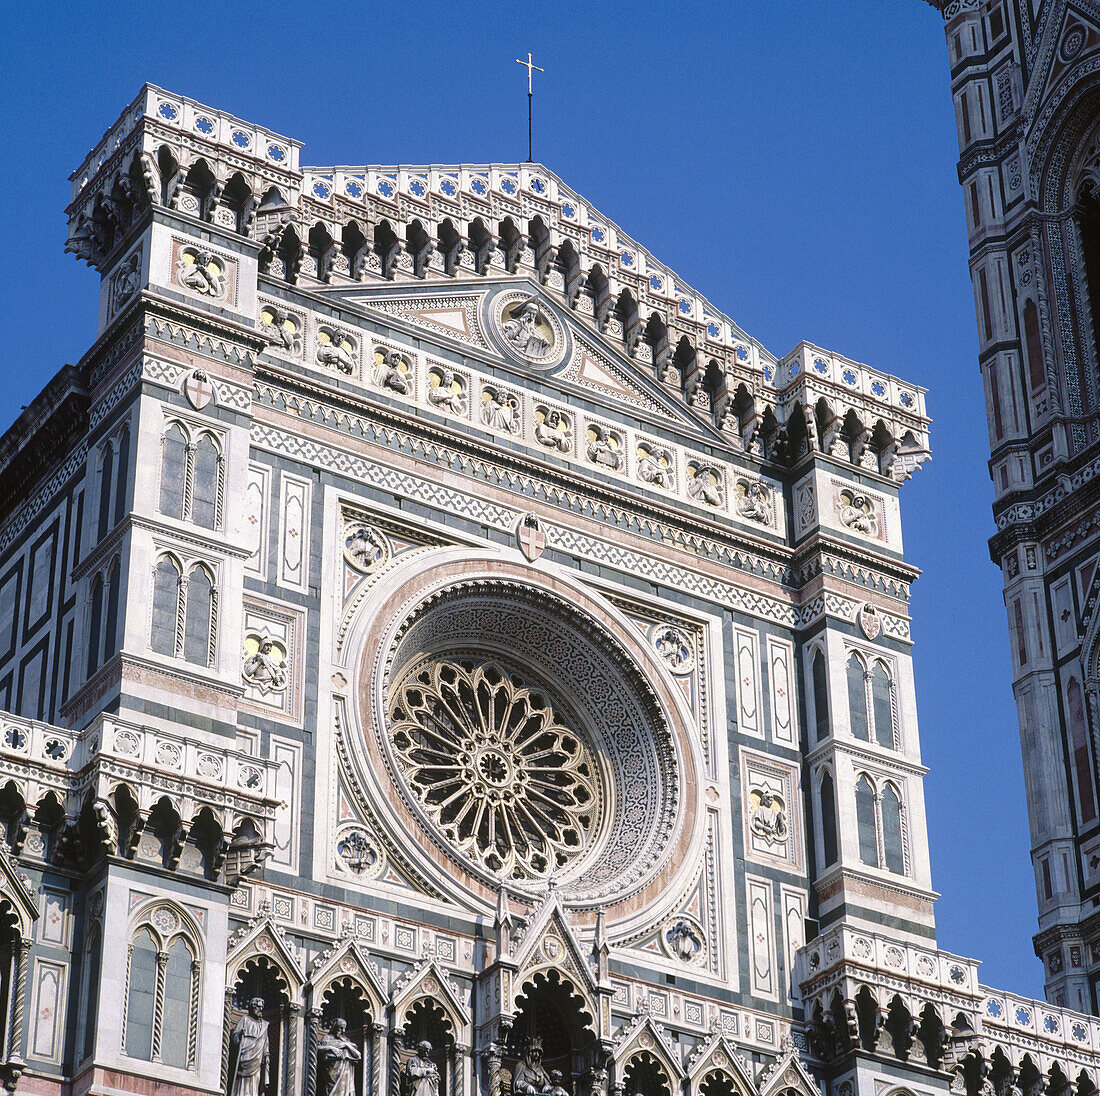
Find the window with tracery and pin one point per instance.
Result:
(880, 825)
(103, 638)
(192, 475)
(184, 615)
(160, 1020)
(871, 702)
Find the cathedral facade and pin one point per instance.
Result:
(1027, 102)
(444, 655)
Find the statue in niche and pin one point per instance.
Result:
(655, 466)
(203, 274)
(278, 326)
(674, 647)
(530, 1078)
(684, 940)
(449, 393)
(500, 411)
(421, 1075)
(127, 278)
(336, 1058)
(706, 485)
(391, 375)
(601, 450)
(337, 352)
(769, 820)
(367, 548)
(754, 501)
(265, 669)
(252, 1061)
(554, 431)
(521, 330)
(857, 512)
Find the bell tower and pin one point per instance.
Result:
(1027, 107)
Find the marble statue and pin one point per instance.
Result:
(336, 1058)
(530, 1078)
(252, 1062)
(421, 1073)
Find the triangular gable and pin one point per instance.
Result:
(263, 938)
(719, 1053)
(429, 979)
(1076, 26)
(643, 1036)
(17, 891)
(1052, 59)
(550, 940)
(788, 1072)
(346, 959)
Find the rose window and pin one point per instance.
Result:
(511, 786)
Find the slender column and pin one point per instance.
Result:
(293, 1057)
(313, 1032)
(395, 1063)
(227, 1016)
(494, 1070)
(158, 1003)
(458, 1069)
(377, 1060)
(9, 1004)
(15, 1046)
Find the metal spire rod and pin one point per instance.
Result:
(531, 69)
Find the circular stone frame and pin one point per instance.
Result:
(482, 605)
(499, 307)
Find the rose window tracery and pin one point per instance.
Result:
(510, 785)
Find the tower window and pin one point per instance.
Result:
(828, 819)
(821, 696)
(871, 702)
(185, 612)
(880, 822)
(191, 476)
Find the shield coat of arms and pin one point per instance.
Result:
(531, 536)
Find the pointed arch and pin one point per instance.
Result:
(858, 718)
(866, 826)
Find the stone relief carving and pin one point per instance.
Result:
(264, 664)
(530, 1077)
(393, 371)
(655, 466)
(125, 280)
(857, 511)
(366, 548)
(768, 819)
(280, 328)
(200, 271)
(683, 939)
(706, 484)
(336, 350)
(754, 501)
(526, 328)
(447, 389)
(359, 853)
(605, 447)
(336, 1058)
(869, 622)
(553, 429)
(500, 410)
(674, 647)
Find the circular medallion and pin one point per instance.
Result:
(527, 328)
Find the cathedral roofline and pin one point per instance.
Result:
(454, 224)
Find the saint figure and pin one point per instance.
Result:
(530, 1079)
(336, 1058)
(264, 668)
(421, 1073)
(521, 331)
(252, 1062)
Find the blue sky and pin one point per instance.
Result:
(794, 160)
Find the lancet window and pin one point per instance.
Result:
(821, 695)
(114, 468)
(184, 611)
(160, 1022)
(191, 475)
(827, 802)
(871, 701)
(880, 825)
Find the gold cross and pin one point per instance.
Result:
(531, 69)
